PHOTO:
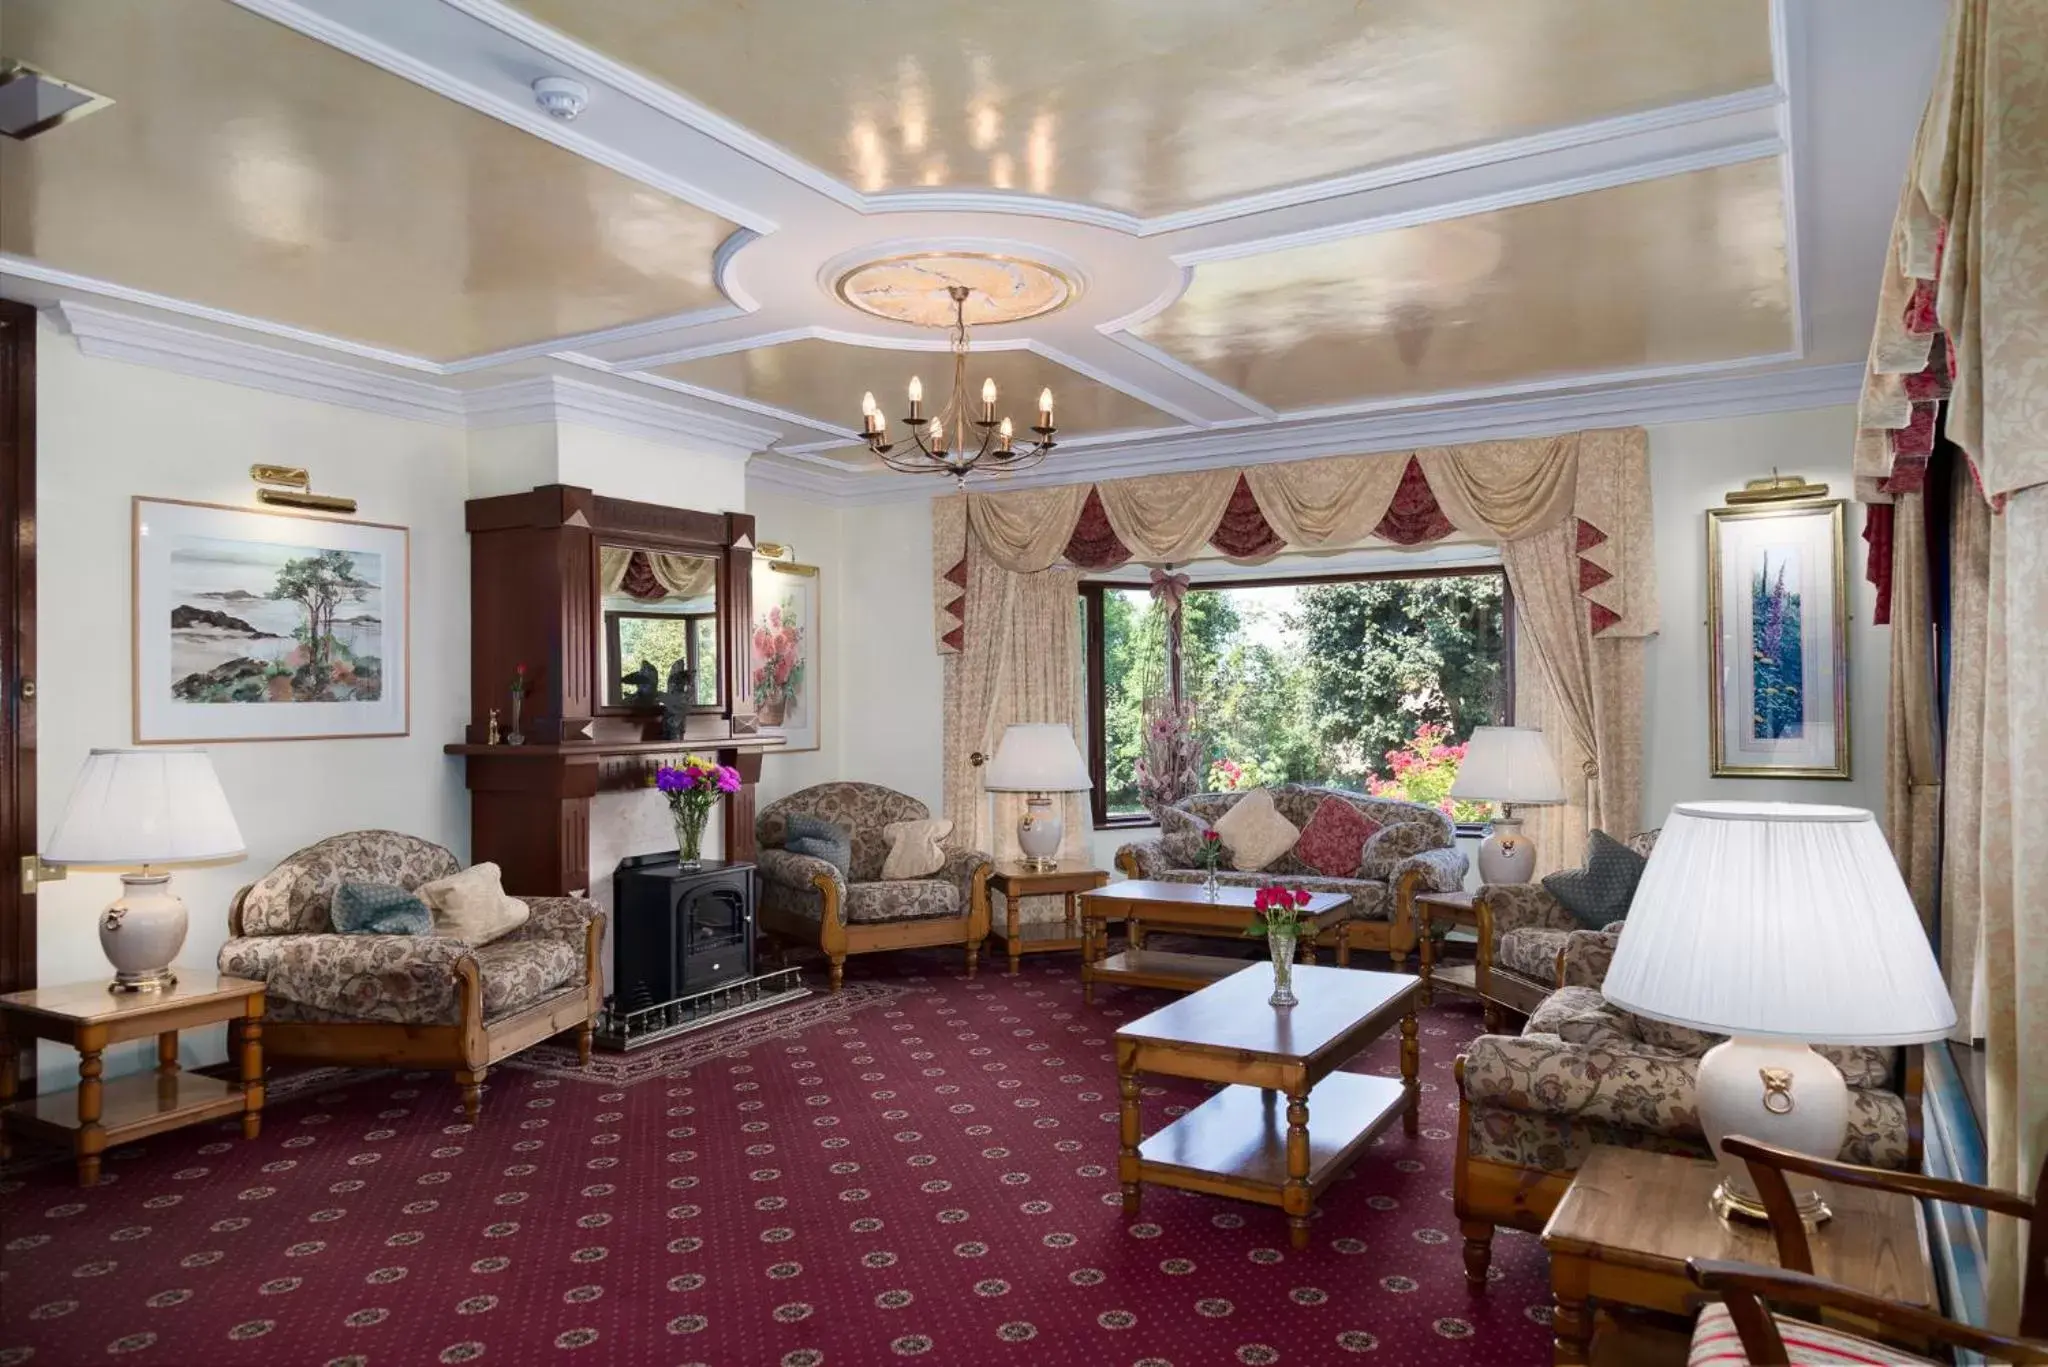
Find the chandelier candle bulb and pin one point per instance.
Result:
(935, 435)
(916, 398)
(1006, 432)
(988, 400)
(870, 412)
(1045, 408)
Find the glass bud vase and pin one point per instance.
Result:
(1281, 947)
(690, 838)
(1209, 884)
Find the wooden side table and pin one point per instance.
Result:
(1631, 1218)
(1464, 979)
(1015, 883)
(88, 1017)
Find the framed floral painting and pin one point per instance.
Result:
(267, 626)
(786, 652)
(1777, 637)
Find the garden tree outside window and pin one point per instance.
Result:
(1371, 683)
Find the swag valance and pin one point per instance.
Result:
(1595, 484)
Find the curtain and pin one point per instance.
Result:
(1912, 758)
(654, 577)
(1505, 490)
(1333, 502)
(1167, 518)
(1962, 898)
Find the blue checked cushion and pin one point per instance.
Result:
(1598, 894)
(379, 909)
(820, 839)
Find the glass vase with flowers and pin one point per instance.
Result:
(693, 789)
(1278, 913)
(1211, 855)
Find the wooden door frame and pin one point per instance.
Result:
(17, 640)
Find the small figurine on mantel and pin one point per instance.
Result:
(491, 730)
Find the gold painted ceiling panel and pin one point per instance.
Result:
(249, 168)
(824, 380)
(1152, 106)
(1677, 271)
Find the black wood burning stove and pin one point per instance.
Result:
(678, 932)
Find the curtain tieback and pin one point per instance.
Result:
(1590, 769)
(1169, 588)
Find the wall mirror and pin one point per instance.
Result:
(660, 629)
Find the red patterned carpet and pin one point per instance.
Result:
(922, 1167)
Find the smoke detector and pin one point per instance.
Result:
(33, 101)
(561, 97)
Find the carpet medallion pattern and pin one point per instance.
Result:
(923, 1167)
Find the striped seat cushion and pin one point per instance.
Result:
(1716, 1344)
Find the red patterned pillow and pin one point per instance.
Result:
(1333, 841)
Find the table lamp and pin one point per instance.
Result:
(141, 811)
(1779, 925)
(1510, 765)
(1039, 759)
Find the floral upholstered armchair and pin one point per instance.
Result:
(407, 999)
(1523, 934)
(1414, 850)
(1585, 1072)
(808, 900)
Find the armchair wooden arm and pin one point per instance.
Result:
(1745, 1286)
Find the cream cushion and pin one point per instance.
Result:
(471, 906)
(916, 848)
(1254, 832)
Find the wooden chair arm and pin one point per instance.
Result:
(1744, 1286)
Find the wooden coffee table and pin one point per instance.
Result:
(1631, 1218)
(1183, 906)
(1243, 1141)
(88, 1017)
(1014, 882)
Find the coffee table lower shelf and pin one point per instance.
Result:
(1235, 1143)
(1162, 968)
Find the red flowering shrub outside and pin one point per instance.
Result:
(1424, 770)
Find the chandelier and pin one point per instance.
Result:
(961, 437)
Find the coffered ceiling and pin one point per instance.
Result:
(1275, 229)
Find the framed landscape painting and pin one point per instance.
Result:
(1777, 632)
(785, 654)
(268, 626)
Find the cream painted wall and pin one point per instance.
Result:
(889, 665)
(1692, 468)
(110, 430)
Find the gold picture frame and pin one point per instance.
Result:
(1778, 641)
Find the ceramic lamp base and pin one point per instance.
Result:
(1039, 833)
(142, 932)
(1780, 1093)
(1507, 856)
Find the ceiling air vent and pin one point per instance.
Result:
(33, 102)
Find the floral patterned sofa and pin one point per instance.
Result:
(807, 900)
(1523, 932)
(1415, 850)
(1585, 1072)
(374, 1000)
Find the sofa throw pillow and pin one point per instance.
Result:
(1254, 833)
(820, 839)
(1391, 844)
(916, 848)
(471, 906)
(1599, 893)
(1333, 841)
(379, 909)
(1180, 837)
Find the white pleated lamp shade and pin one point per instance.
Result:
(1037, 757)
(1781, 921)
(131, 808)
(1508, 764)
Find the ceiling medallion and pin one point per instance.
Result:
(917, 288)
(950, 442)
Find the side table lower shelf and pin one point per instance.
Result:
(131, 1107)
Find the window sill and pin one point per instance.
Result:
(1127, 823)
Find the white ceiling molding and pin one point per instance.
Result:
(561, 399)
(1648, 404)
(139, 340)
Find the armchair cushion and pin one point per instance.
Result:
(1510, 906)
(471, 906)
(295, 897)
(379, 909)
(1599, 893)
(916, 848)
(405, 978)
(518, 973)
(902, 899)
(1255, 833)
(820, 839)
(1531, 951)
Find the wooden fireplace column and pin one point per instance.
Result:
(535, 600)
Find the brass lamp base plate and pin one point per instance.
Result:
(157, 980)
(1037, 863)
(1734, 1205)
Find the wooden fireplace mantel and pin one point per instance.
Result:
(534, 600)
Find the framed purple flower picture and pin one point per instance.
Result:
(1777, 638)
